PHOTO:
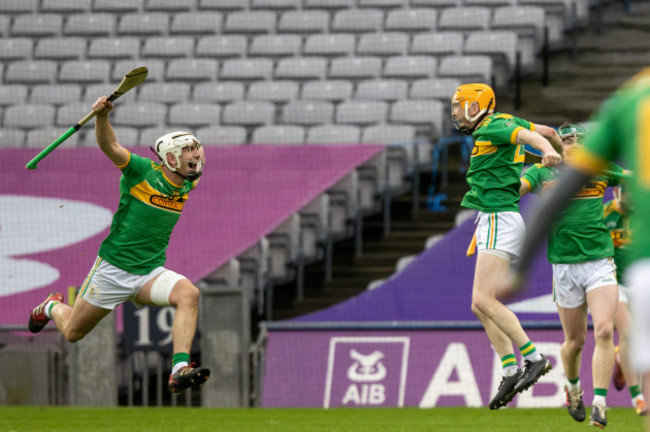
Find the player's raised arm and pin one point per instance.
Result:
(105, 134)
(539, 142)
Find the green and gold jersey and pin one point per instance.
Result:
(618, 225)
(150, 205)
(580, 235)
(623, 131)
(496, 163)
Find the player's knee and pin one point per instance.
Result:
(604, 332)
(73, 335)
(574, 344)
(480, 304)
(186, 296)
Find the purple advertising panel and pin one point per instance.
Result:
(423, 368)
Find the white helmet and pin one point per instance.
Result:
(173, 143)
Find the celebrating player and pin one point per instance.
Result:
(584, 278)
(622, 131)
(617, 222)
(493, 177)
(130, 261)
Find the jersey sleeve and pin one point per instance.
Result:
(614, 180)
(533, 176)
(136, 168)
(505, 128)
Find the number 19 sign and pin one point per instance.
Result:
(148, 328)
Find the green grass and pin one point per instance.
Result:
(64, 419)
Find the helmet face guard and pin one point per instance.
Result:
(464, 97)
(569, 130)
(174, 143)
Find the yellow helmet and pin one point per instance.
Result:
(465, 95)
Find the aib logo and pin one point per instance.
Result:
(366, 371)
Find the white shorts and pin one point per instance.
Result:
(500, 232)
(637, 278)
(107, 286)
(572, 282)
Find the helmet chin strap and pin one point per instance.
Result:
(192, 175)
(476, 119)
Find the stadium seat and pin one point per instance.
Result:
(228, 274)
(301, 68)
(355, 67)
(57, 94)
(176, 46)
(330, 4)
(463, 215)
(490, 3)
(372, 285)
(31, 72)
(501, 46)
(358, 20)
(314, 223)
(29, 116)
(4, 25)
(156, 69)
(114, 48)
(19, 6)
(332, 90)
(222, 46)
(71, 113)
(559, 13)
(404, 262)
(275, 45)
(93, 91)
(419, 112)
(247, 69)
(60, 48)
(528, 22)
(388, 43)
(383, 3)
(194, 114)
(309, 21)
(344, 205)
(433, 240)
(438, 44)
(90, 25)
(196, 23)
(224, 4)
(357, 112)
(164, 92)
(11, 138)
(169, 5)
(224, 91)
(285, 248)
(65, 6)
(122, 6)
(15, 48)
(250, 22)
(37, 25)
(388, 134)
(85, 71)
(439, 88)
(144, 24)
(148, 136)
(141, 114)
(220, 135)
(308, 112)
(410, 67)
(276, 4)
(412, 19)
(126, 136)
(41, 138)
(386, 90)
(13, 94)
(329, 44)
(464, 19)
(334, 134)
(192, 69)
(249, 113)
(273, 91)
(477, 68)
(255, 272)
(276, 134)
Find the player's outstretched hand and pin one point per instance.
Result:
(102, 106)
(551, 159)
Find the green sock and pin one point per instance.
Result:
(529, 352)
(509, 365)
(634, 391)
(180, 358)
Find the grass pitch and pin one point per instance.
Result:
(64, 419)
